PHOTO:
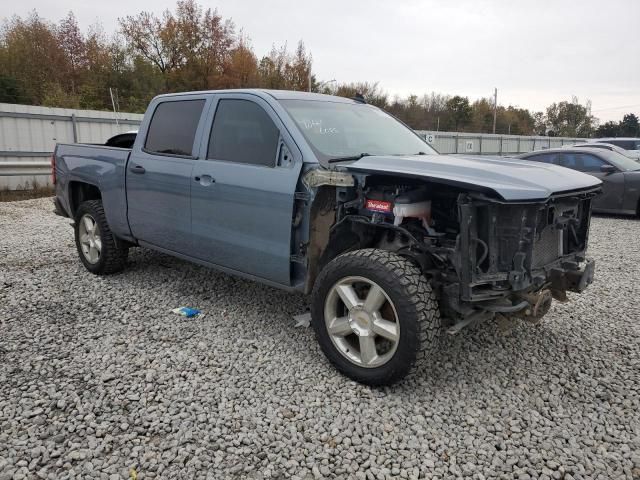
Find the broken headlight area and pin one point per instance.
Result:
(483, 256)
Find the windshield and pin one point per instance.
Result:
(337, 130)
(623, 162)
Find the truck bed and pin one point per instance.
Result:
(98, 165)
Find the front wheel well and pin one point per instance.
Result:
(80, 192)
(349, 235)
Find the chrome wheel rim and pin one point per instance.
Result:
(89, 237)
(362, 322)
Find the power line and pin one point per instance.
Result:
(616, 108)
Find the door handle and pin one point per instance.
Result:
(137, 169)
(205, 180)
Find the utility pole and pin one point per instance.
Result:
(113, 104)
(495, 108)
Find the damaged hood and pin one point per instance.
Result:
(509, 178)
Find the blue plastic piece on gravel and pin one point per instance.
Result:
(186, 311)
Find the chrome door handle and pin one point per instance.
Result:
(204, 180)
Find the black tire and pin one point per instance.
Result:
(112, 257)
(415, 304)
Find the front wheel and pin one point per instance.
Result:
(96, 244)
(375, 316)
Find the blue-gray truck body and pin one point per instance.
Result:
(498, 227)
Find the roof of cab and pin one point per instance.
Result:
(277, 94)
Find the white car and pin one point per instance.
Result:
(630, 144)
(635, 154)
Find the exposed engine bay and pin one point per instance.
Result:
(482, 255)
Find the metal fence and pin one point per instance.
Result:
(29, 134)
(490, 144)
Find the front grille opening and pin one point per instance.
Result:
(543, 233)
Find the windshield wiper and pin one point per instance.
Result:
(348, 159)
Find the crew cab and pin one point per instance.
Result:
(337, 199)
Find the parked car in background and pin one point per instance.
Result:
(628, 143)
(620, 175)
(634, 154)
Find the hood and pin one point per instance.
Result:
(509, 178)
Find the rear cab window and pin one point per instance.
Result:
(172, 129)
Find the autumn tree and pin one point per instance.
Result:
(297, 69)
(193, 48)
(73, 46)
(482, 116)
(214, 56)
(154, 39)
(369, 90)
(242, 67)
(31, 55)
(282, 70)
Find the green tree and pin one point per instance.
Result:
(629, 127)
(571, 119)
(461, 111)
(10, 91)
(608, 129)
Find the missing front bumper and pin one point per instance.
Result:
(573, 280)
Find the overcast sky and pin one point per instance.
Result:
(534, 52)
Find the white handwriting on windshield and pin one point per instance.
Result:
(317, 126)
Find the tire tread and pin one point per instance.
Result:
(115, 257)
(419, 295)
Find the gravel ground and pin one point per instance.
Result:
(98, 379)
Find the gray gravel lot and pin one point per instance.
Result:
(98, 379)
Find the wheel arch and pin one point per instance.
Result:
(330, 240)
(79, 192)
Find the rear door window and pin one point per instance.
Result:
(589, 163)
(567, 160)
(172, 130)
(243, 132)
(543, 157)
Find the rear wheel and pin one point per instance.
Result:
(375, 316)
(96, 244)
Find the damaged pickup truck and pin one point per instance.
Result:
(335, 198)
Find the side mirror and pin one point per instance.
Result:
(606, 168)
